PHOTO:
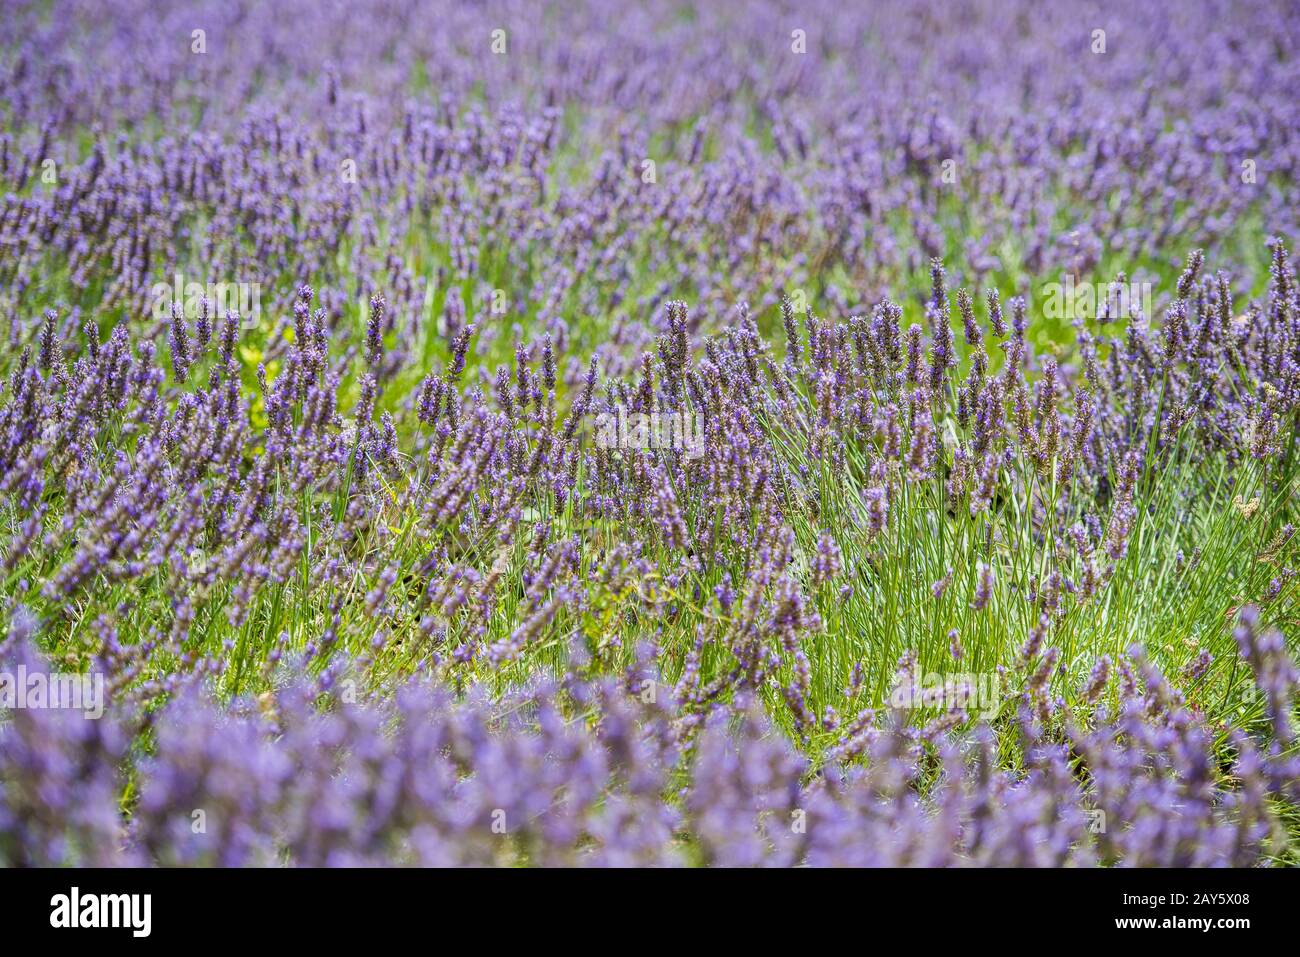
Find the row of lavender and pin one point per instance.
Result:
(594, 772)
(729, 156)
(474, 521)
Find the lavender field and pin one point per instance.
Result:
(649, 433)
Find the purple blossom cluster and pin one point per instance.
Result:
(581, 771)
